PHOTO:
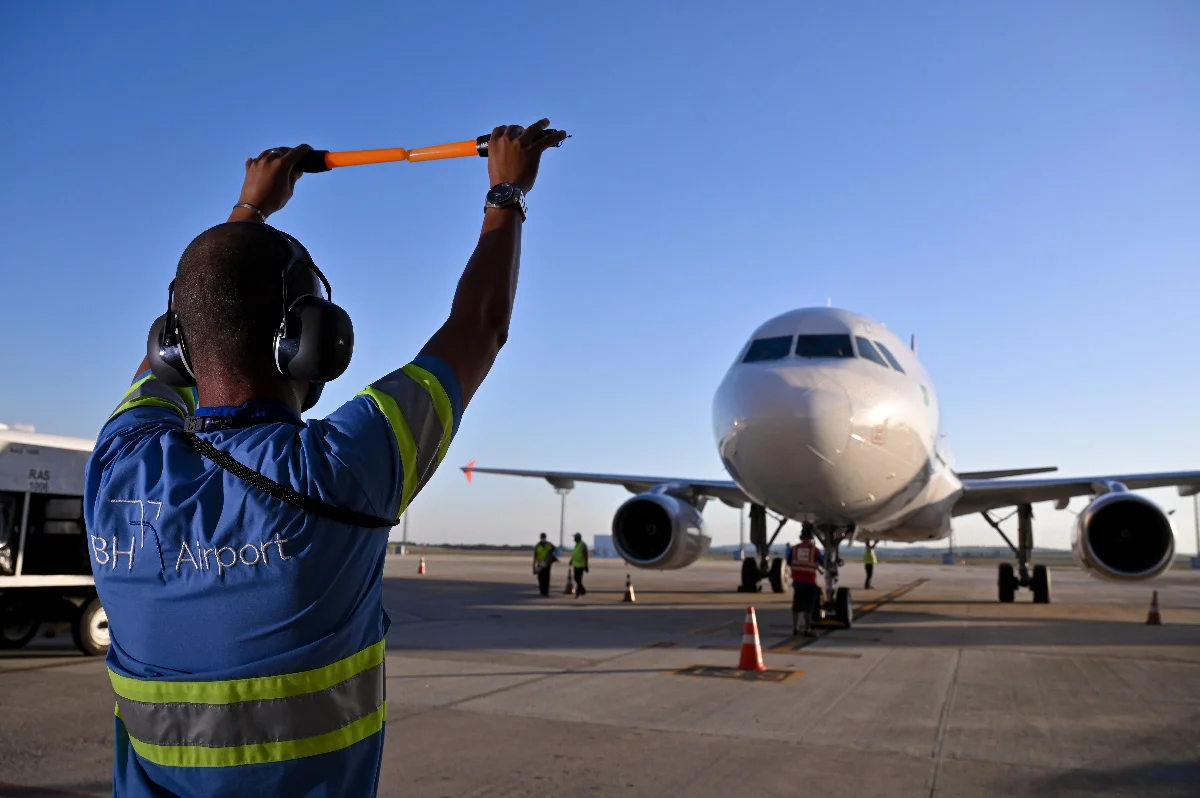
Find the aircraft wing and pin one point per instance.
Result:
(1005, 472)
(725, 490)
(987, 494)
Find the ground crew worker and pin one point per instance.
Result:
(805, 560)
(579, 563)
(543, 558)
(247, 622)
(869, 560)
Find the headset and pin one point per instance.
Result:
(314, 343)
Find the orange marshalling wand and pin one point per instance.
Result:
(324, 160)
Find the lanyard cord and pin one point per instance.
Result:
(285, 494)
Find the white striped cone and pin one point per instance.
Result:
(751, 658)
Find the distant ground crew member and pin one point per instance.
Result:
(869, 560)
(239, 550)
(805, 560)
(543, 558)
(579, 563)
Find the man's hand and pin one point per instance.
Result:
(514, 156)
(271, 178)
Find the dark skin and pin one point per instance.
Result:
(477, 327)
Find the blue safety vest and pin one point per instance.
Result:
(247, 650)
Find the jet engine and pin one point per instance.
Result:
(659, 531)
(1123, 537)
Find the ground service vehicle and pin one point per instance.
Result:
(45, 569)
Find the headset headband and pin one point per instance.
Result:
(314, 342)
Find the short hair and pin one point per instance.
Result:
(543, 536)
(806, 533)
(229, 296)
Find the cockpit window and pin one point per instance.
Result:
(762, 349)
(890, 358)
(867, 350)
(824, 346)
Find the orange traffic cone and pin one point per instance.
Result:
(569, 590)
(421, 567)
(629, 589)
(1154, 619)
(751, 659)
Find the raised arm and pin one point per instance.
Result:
(270, 180)
(479, 317)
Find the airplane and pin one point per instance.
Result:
(828, 419)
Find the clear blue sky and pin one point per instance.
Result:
(1017, 183)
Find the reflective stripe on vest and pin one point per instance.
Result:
(254, 721)
(147, 391)
(422, 419)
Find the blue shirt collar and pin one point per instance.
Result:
(256, 411)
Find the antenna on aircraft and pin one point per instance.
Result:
(912, 344)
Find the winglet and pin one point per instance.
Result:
(912, 343)
(469, 470)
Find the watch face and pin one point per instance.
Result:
(501, 193)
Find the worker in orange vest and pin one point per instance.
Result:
(805, 560)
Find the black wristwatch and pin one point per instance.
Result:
(506, 195)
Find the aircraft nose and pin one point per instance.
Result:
(784, 432)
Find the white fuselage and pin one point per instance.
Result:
(832, 436)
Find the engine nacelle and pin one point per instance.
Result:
(659, 531)
(1124, 537)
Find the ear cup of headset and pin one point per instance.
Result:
(316, 342)
(167, 354)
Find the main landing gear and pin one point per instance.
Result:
(836, 601)
(762, 566)
(1037, 579)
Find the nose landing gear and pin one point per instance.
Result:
(836, 601)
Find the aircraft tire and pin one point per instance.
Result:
(750, 576)
(1007, 583)
(844, 607)
(776, 576)
(1041, 585)
(18, 623)
(90, 629)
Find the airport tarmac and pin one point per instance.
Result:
(937, 690)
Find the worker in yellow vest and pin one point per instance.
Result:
(579, 562)
(869, 560)
(543, 558)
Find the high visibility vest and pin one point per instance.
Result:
(803, 561)
(542, 551)
(869, 557)
(254, 721)
(579, 557)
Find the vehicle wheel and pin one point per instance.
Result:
(90, 630)
(1041, 585)
(776, 575)
(844, 607)
(1007, 583)
(18, 623)
(750, 576)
